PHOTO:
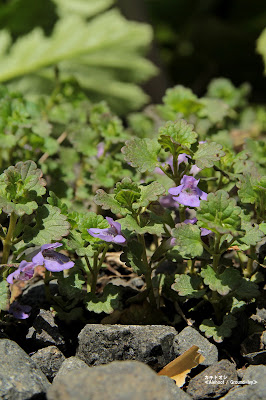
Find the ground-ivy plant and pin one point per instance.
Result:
(180, 205)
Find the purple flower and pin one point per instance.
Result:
(194, 170)
(183, 157)
(53, 261)
(188, 193)
(19, 311)
(204, 231)
(24, 272)
(100, 149)
(112, 234)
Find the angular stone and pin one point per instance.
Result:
(208, 385)
(119, 380)
(190, 336)
(101, 344)
(253, 348)
(71, 364)
(45, 332)
(254, 387)
(20, 377)
(49, 359)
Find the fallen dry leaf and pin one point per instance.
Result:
(182, 365)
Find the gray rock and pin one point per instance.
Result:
(208, 385)
(253, 348)
(119, 380)
(49, 359)
(254, 385)
(44, 331)
(70, 364)
(190, 336)
(101, 344)
(20, 377)
(175, 390)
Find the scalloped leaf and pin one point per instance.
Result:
(20, 186)
(109, 301)
(133, 257)
(71, 286)
(142, 153)
(149, 193)
(220, 214)
(207, 154)
(180, 131)
(168, 144)
(77, 46)
(53, 200)
(247, 289)
(126, 193)
(252, 188)
(108, 202)
(219, 332)
(151, 225)
(188, 240)
(253, 235)
(4, 294)
(221, 283)
(188, 286)
(50, 226)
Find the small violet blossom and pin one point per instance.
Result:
(53, 261)
(203, 231)
(24, 272)
(19, 311)
(188, 193)
(112, 234)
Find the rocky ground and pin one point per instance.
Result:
(117, 362)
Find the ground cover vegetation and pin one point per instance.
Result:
(175, 193)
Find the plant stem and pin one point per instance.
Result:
(248, 272)
(89, 272)
(182, 213)
(216, 254)
(96, 267)
(47, 287)
(148, 272)
(8, 241)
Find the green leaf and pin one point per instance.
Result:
(262, 227)
(237, 305)
(133, 257)
(247, 289)
(188, 286)
(261, 47)
(221, 283)
(180, 131)
(182, 100)
(149, 225)
(214, 110)
(188, 240)
(142, 153)
(109, 301)
(149, 193)
(219, 332)
(53, 200)
(252, 188)
(20, 186)
(220, 214)
(126, 193)
(253, 235)
(223, 89)
(207, 154)
(108, 202)
(50, 226)
(4, 294)
(82, 7)
(71, 286)
(100, 59)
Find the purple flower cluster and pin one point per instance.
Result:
(188, 192)
(112, 234)
(53, 261)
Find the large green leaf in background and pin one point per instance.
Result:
(104, 55)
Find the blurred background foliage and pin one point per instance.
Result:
(195, 41)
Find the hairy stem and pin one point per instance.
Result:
(148, 272)
(8, 241)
